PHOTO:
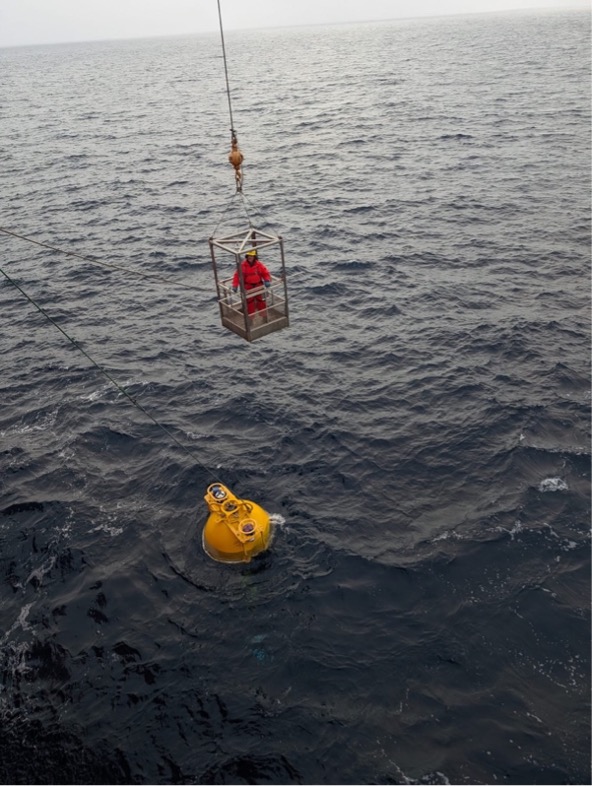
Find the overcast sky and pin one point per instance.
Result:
(52, 21)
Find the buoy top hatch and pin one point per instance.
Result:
(236, 529)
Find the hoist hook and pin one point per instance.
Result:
(236, 157)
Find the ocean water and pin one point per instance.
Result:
(420, 433)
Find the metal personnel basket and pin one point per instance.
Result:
(233, 306)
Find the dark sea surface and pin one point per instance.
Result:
(420, 433)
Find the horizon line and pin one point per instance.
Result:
(581, 5)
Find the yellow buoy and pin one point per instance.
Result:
(236, 530)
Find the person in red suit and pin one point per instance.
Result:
(255, 274)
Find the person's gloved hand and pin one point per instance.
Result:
(235, 290)
(267, 284)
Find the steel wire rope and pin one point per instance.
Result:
(226, 210)
(225, 68)
(95, 261)
(107, 375)
(248, 207)
(236, 157)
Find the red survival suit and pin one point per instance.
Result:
(254, 274)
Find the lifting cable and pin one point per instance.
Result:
(142, 274)
(236, 157)
(226, 211)
(104, 372)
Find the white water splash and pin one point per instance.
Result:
(554, 484)
(42, 423)
(279, 522)
(21, 622)
(39, 573)
(107, 387)
(111, 530)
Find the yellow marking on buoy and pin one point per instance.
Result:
(236, 530)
